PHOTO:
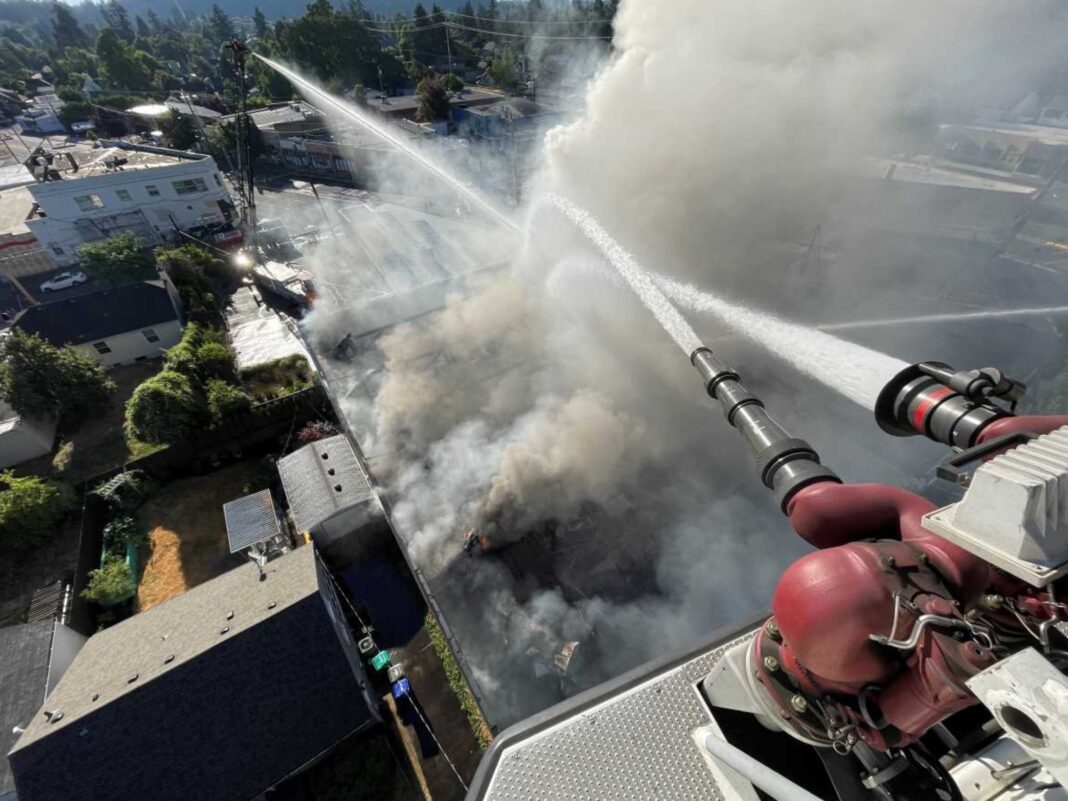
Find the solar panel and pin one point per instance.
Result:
(250, 520)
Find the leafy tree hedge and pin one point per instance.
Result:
(37, 378)
(164, 409)
(225, 399)
(123, 531)
(30, 508)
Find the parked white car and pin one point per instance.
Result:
(63, 281)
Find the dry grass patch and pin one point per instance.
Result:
(188, 532)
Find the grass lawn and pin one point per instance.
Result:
(188, 532)
(99, 445)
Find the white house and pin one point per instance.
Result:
(22, 438)
(146, 191)
(120, 325)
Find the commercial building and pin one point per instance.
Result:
(222, 692)
(147, 191)
(120, 325)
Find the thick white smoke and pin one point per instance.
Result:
(717, 137)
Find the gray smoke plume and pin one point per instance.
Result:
(543, 406)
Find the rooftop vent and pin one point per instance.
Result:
(133, 677)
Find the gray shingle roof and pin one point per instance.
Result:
(322, 479)
(218, 693)
(88, 318)
(24, 652)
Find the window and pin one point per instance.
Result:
(218, 180)
(124, 196)
(57, 249)
(190, 187)
(102, 347)
(152, 189)
(341, 165)
(150, 335)
(320, 161)
(89, 202)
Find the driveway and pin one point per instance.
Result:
(33, 286)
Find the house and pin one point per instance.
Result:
(23, 438)
(11, 104)
(220, 693)
(185, 107)
(329, 494)
(407, 106)
(514, 117)
(148, 191)
(119, 325)
(33, 658)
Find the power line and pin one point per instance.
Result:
(491, 34)
(527, 35)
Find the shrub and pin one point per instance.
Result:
(182, 358)
(30, 508)
(278, 378)
(111, 583)
(225, 399)
(215, 360)
(164, 409)
(123, 531)
(318, 430)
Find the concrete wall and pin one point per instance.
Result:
(66, 226)
(133, 346)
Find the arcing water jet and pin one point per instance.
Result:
(945, 318)
(356, 115)
(853, 370)
(631, 272)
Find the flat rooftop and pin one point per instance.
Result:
(404, 103)
(15, 207)
(941, 174)
(135, 160)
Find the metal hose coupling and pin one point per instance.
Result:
(786, 464)
(949, 406)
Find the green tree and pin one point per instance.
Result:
(123, 65)
(37, 378)
(220, 24)
(333, 44)
(120, 258)
(143, 28)
(433, 100)
(225, 399)
(111, 583)
(117, 18)
(65, 28)
(75, 111)
(164, 409)
(30, 508)
(502, 69)
(259, 23)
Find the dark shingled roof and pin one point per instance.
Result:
(218, 693)
(89, 318)
(24, 652)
